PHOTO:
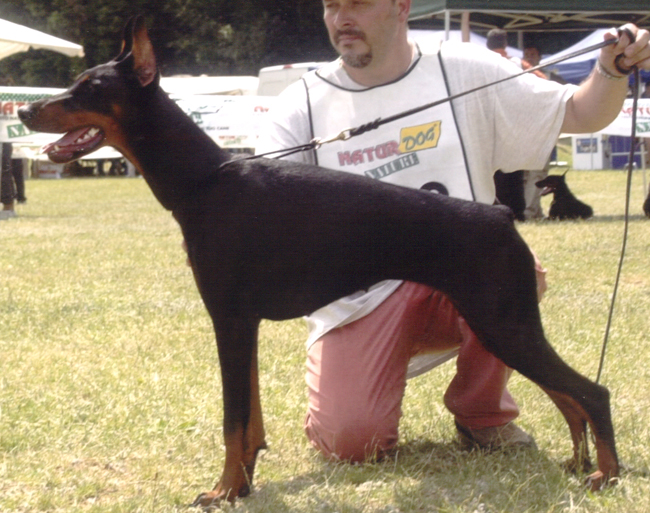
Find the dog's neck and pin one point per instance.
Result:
(173, 154)
(562, 191)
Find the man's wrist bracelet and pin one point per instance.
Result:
(603, 71)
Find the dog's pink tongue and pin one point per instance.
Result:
(68, 140)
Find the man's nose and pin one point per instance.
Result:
(343, 17)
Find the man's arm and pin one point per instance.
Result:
(287, 125)
(599, 99)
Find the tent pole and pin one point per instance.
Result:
(447, 24)
(464, 26)
(643, 147)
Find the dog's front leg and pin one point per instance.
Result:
(243, 426)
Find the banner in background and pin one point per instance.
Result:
(11, 128)
(231, 121)
(622, 125)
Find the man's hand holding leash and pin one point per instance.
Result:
(632, 49)
(599, 99)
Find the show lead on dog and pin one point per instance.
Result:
(362, 348)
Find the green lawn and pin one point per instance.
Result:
(110, 395)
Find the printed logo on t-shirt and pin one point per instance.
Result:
(394, 166)
(420, 137)
(370, 154)
(411, 139)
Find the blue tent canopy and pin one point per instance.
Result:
(575, 70)
(538, 16)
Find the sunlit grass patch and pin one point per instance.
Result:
(110, 397)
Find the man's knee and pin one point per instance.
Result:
(352, 439)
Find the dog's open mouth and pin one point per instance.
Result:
(546, 189)
(74, 144)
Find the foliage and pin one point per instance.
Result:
(213, 37)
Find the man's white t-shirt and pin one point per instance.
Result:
(509, 126)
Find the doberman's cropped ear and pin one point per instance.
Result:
(137, 48)
(127, 39)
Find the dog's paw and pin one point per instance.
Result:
(210, 501)
(598, 480)
(578, 466)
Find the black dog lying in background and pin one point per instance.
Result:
(564, 205)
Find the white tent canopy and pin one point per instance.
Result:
(576, 69)
(16, 38)
(435, 36)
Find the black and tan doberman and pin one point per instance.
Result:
(564, 205)
(269, 239)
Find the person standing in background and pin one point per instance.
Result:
(7, 186)
(518, 189)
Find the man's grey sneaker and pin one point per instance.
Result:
(497, 438)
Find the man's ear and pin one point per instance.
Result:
(404, 7)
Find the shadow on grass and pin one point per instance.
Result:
(616, 218)
(427, 476)
(594, 219)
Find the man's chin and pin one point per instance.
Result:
(357, 61)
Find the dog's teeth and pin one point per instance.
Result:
(57, 147)
(88, 135)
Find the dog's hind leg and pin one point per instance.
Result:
(243, 426)
(578, 426)
(592, 410)
(580, 400)
(508, 323)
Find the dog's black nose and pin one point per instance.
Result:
(25, 112)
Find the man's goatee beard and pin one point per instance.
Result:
(357, 61)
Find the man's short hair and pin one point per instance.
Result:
(497, 39)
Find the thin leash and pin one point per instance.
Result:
(626, 222)
(348, 133)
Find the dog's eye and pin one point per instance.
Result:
(87, 84)
(83, 92)
(92, 85)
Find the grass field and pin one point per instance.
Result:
(110, 395)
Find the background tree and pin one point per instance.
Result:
(212, 37)
(193, 37)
